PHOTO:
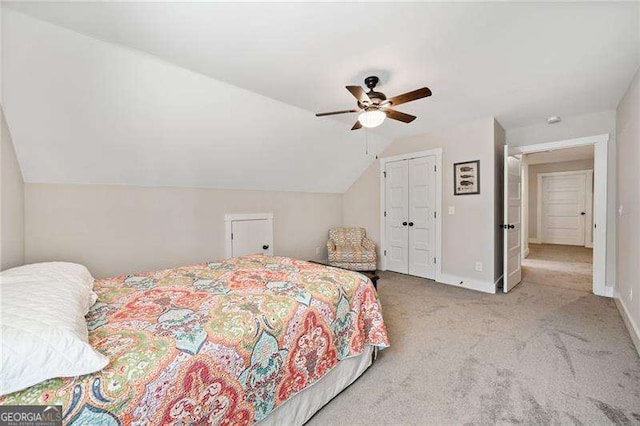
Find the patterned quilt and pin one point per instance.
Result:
(220, 343)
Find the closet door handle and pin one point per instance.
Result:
(410, 223)
(404, 223)
(583, 213)
(265, 247)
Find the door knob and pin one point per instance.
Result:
(583, 213)
(404, 223)
(410, 223)
(265, 247)
(510, 226)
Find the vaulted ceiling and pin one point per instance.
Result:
(223, 94)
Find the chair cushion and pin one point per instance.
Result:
(352, 253)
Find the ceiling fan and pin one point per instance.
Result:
(374, 106)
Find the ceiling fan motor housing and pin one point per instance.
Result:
(371, 82)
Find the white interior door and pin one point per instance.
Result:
(397, 213)
(512, 259)
(251, 237)
(563, 209)
(422, 221)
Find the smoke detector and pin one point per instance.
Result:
(554, 119)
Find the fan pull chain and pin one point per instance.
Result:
(366, 141)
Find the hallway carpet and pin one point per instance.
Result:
(559, 266)
(537, 355)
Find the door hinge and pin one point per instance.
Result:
(385, 252)
(434, 260)
(232, 235)
(384, 173)
(594, 225)
(435, 168)
(434, 215)
(385, 214)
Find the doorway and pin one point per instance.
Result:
(562, 216)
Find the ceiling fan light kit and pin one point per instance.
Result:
(374, 106)
(372, 118)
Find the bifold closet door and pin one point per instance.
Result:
(397, 229)
(422, 220)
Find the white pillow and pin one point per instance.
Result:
(42, 325)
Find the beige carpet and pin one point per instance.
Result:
(538, 355)
(559, 266)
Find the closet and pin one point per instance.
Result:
(410, 217)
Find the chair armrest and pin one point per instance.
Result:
(368, 244)
(331, 247)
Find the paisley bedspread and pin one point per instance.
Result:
(220, 343)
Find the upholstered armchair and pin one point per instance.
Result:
(349, 248)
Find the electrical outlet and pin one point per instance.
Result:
(478, 266)
(318, 251)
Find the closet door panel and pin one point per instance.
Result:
(397, 208)
(422, 201)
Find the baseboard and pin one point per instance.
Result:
(533, 241)
(471, 284)
(632, 327)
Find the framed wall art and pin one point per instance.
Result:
(466, 178)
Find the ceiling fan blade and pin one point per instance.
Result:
(357, 126)
(410, 96)
(359, 94)
(322, 114)
(400, 116)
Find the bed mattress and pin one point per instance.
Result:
(223, 342)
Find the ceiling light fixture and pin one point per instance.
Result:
(372, 118)
(554, 119)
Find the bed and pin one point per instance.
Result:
(250, 339)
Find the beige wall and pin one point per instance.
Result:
(468, 235)
(122, 229)
(628, 264)
(577, 127)
(12, 203)
(534, 170)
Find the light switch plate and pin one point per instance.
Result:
(452, 210)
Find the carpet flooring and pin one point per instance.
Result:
(537, 355)
(559, 266)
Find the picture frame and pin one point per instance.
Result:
(466, 178)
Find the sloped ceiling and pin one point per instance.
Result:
(223, 94)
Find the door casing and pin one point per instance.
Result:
(600, 179)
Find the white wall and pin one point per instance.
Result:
(12, 203)
(468, 236)
(628, 265)
(533, 172)
(576, 127)
(123, 229)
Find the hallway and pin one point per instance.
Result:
(563, 266)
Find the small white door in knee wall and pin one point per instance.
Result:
(249, 234)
